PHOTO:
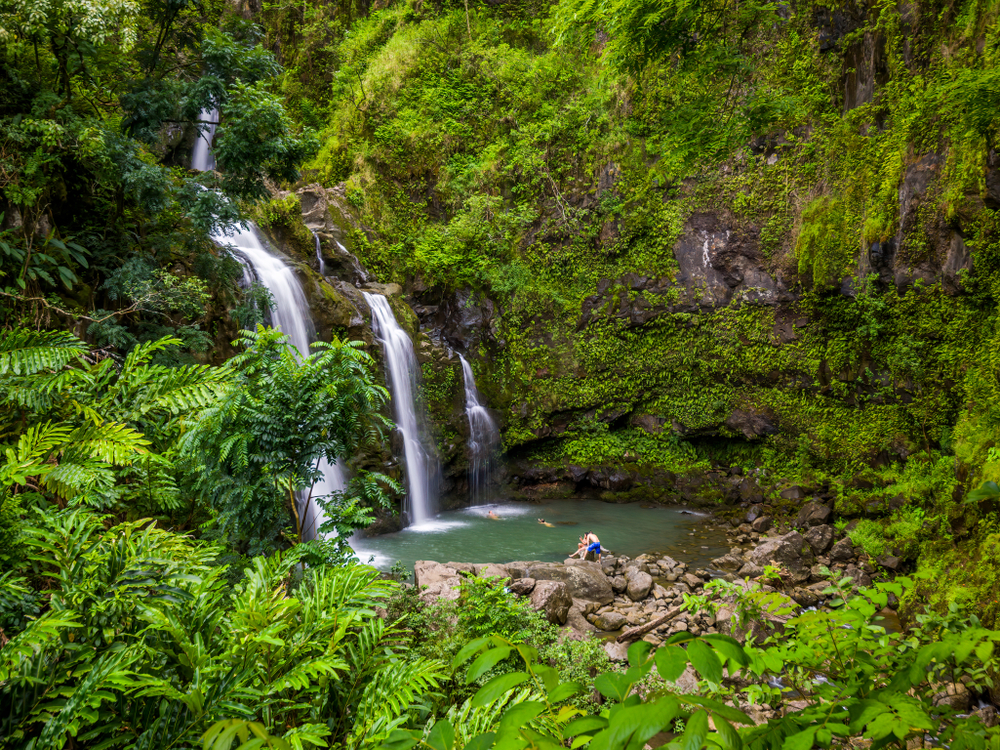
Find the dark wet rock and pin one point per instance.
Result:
(522, 586)
(890, 562)
(795, 492)
(819, 538)
(813, 514)
(761, 525)
(752, 424)
(842, 551)
(552, 598)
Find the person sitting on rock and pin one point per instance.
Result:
(543, 522)
(593, 544)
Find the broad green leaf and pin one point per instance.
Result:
(585, 724)
(467, 651)
(485, 662)
(518, 715)
(704, 659)
(728, 647)
(482, 742)
(671, 661)
(497, 687)
(442, 736)
(564, 691)
(613, 686)
(695, 731)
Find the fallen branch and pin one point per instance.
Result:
(634, 634)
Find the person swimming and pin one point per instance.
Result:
(493, 516)
(543, 522)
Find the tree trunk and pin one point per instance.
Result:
(635, 633)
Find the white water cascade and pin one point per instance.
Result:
(202, 158)
(290, 314)
(484, 439)
(319, 254)
(402, 365)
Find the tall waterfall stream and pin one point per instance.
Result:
(290, 314)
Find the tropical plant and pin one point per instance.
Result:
(170, 651)
(852, 678)
(263, 444)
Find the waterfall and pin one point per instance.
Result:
(319, 254)
(484, 439)
(290, 314)
(202, 158)
(401, 363)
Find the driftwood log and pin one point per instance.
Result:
(633, 634)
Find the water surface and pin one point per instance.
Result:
(468, 535)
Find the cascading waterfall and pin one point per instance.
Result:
(290, 314)
(484, 439)
(401, 362)
(319, 254)
(202, 158)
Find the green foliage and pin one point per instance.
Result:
(173, 655)
(485, 608)
(259, 446)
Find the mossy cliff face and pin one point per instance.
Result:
(773, 249)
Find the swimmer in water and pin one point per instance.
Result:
(543, 522)
(493, 516)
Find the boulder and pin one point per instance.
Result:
(638, 584)
(609, 621)
(553, 599)
(428, 572)
(819, 538)
(576, 620)
(750, 570)
(616, 651)
(762, 524)
(793, 493)
(522, 586)
(813, 514)
(842, 551)
(446, 590)
(890, 562)
(618, 584)
(492, 570)
(584, 580)
(692, 580)
(785, 551)
(732, 560)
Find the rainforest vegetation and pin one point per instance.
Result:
(685, 242)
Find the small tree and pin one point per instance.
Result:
(263, 443)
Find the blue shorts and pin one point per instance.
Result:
(595, 547)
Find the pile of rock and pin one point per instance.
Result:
(586, 596)
(807, 558)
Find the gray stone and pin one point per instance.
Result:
(616, 651)
(552, 598)
(793, 493)
(610, 621)
(584, 580)
(762, 524)
(492, 570)
(522, 586)
(692, 580)
(819, 538)
(618, 584)
(428, 572)
(890, 562)
(639, 584)
(842, 551)
(577, 620)
(446, 590)
(750, 570)
(813, 514)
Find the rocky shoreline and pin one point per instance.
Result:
(620, 592)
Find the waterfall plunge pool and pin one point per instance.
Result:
(467, 535)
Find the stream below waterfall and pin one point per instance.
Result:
(467, 535)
